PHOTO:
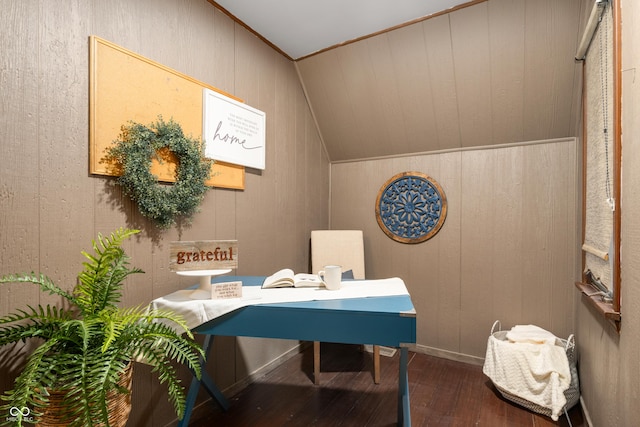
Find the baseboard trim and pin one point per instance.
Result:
(585, 412)
(446, 354)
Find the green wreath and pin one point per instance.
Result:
(133, 152)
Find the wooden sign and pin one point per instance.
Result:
(203, 255)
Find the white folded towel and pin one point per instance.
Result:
(530, 334)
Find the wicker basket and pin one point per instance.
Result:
(119, 405)
(572, 394)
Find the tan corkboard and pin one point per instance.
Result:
(124, 87)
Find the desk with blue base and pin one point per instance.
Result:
(387, 321)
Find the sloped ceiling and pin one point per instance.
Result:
(302, 27)
(487, 73)
(497, 72)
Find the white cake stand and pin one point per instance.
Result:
(204, 289)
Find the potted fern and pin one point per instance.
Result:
(87, 348)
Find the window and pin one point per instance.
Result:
(601, 161)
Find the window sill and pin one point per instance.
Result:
(595, 300)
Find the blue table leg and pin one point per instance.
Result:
(404, 408)
(206, 381)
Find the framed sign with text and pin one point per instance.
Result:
(233, 132)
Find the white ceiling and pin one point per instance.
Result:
(302, 27)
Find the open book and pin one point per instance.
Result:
(285, 278)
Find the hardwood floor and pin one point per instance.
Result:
(443, 393)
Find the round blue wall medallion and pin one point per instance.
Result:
(411, 207)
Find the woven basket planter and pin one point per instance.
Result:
(119, 405)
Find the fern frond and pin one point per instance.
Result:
(45, 283)
(115, 321)
(156, 357)
(168, 317)
(88, 385)
(82, 396)
(29, 390)
(43, 323)
(47, 314)
(109, 290)
(79, 329)
(100, 283)
(174, 346)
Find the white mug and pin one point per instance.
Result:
(331, 276)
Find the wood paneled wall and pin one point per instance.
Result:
(51, 208)
(496, 72)
(508, 249)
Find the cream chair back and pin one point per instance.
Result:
(341, 247)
